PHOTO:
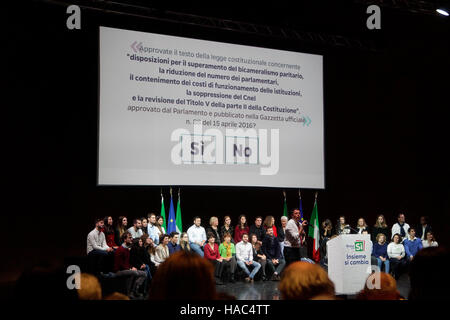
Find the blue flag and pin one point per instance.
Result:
(171, 224)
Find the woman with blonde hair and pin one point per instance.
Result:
(379, 251)
(184, 242)
(361, 226)
(380, 227)
(306, 281)
(269, 222)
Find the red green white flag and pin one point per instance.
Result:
(314, 232)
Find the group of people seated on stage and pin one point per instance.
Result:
(260, 251)
(393, 248)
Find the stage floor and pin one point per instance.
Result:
(268, 290)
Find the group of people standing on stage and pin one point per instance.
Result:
(260, 251)
(393, 248)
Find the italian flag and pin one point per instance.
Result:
(314, 232)
(178, 217)
(163, 212)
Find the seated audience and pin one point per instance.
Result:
(173, 242)
(214, 229)
(430, 241)
(139, 257)
(412, 244)
(184, 242)
(306, 281)
(212, 254)
(108, 230)
(226, 228)
(162, 250)
(122, 226)
(325, 235)
(380, 227)
(244, 256)
(396, 253)
(379, 251)
(227, 251)
(90, 288)
(423, 228)
(144, 225)
(272, 250)
(97, 249)
(159, 227)
(428, 275)
(135, 230)
(380, 286)
(197, 236)
(123, 268)
(258, 229)
(342, 227)
(258, 255)
(269, 222)
(184, 270)
(361, 226)
(150, 250)
(400, 227)
(240, 229)
(152, 228)
(281, 233)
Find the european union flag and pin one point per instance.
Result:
(171, 223)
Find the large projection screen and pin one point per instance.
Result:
(182, 111)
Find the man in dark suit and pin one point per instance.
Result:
(423, 228)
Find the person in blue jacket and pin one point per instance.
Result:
(412, 244)
(379, 251)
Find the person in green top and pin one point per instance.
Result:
(228, 252)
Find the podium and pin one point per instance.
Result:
(349, 262)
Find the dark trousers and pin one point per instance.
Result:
(276, 268)
(291, 255)
(97, 261)
(218, 268)
(231, 264)
(397, 266)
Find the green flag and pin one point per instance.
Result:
(163, 211)
(314, 231)
(178, 216)
(285, 212)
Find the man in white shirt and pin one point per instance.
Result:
(151, 229)
(197, 236)
(97, 249)
(401, 227)
(293, 237)
(244, 256)
(135, 230)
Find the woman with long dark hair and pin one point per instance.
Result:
(241, 228)
(108, 230)
(226, 228)
(122, 226)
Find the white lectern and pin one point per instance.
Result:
(349, 262)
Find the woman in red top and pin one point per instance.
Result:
(240, 229)
(211, 250)
(108, 230)
(269, 222)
